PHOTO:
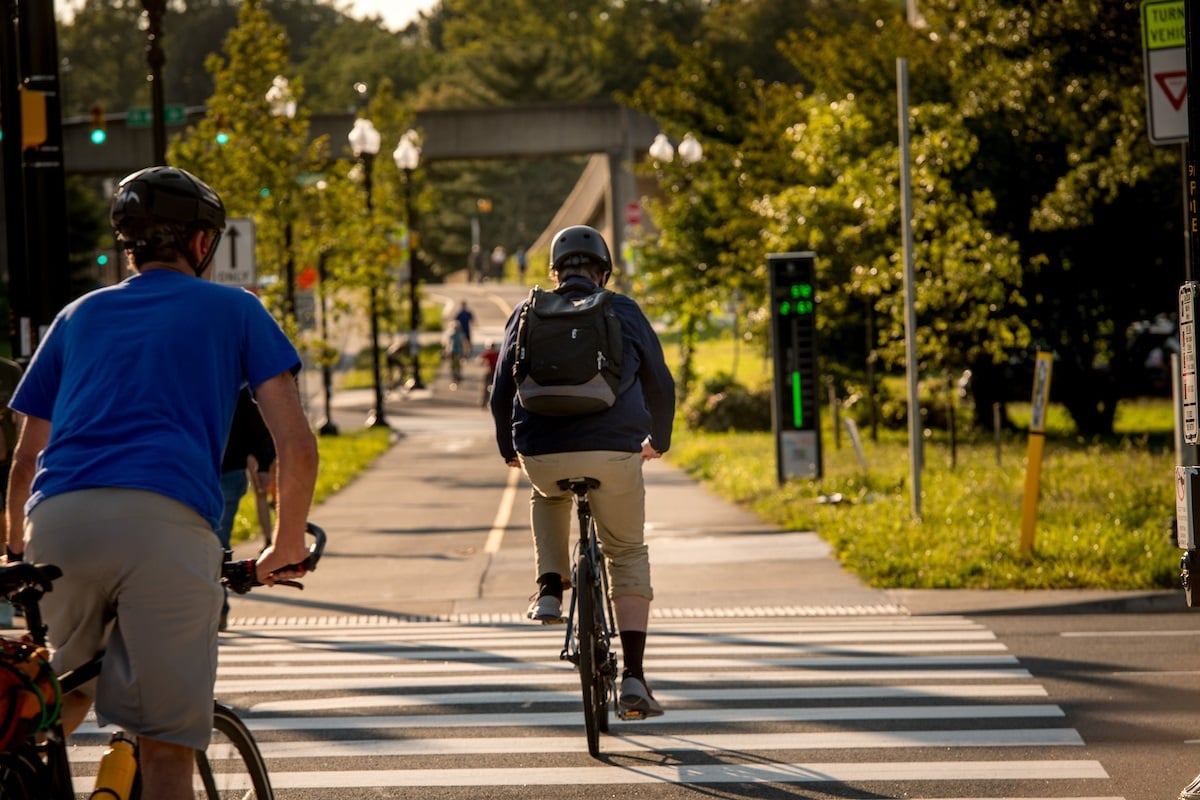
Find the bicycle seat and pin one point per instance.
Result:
(579, 486)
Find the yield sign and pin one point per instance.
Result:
(1174, 86)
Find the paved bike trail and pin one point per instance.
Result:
(442, 475)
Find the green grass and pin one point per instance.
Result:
(343, 457)
(1104, 509)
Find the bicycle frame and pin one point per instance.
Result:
(588, 639)
(42, 769)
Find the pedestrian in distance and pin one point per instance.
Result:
(610, 445)
(248, 461)
(454, 349)
(522, 263)
(465, 319)
(126, 406)
(499, 257)
(488, 358)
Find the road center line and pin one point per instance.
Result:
(503, 513)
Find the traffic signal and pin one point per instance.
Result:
(222, 135)
(99, 134)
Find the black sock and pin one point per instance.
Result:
(550, 583)
(633, 649)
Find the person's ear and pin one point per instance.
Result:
(200, 243)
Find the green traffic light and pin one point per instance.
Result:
(222, 138)
(102, 259)
(98, 136)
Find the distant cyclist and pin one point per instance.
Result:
(127, 404)
(610, 446)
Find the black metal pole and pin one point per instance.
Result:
(19, 291)
(413, 303)
(328, 427)
(155, 58)
(289, 270)
(44, 177)
(378, 418)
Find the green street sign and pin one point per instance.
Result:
(142, 117)
(137, 118)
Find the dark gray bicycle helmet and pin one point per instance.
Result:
(579, 245)
(166, 196)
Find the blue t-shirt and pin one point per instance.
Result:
(139, 382)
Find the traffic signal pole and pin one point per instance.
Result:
(13, 172)
(35, 193)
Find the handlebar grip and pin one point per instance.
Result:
(242, 576)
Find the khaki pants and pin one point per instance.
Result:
(618, 506)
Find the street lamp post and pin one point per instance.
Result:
(328, 427)
(364, 143)
(283, 104)
(407, 156)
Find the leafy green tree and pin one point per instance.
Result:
(1055, 95)
(256, 159)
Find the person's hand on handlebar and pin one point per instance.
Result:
(270, 564)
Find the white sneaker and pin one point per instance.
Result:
(636, 701)
(546, 609)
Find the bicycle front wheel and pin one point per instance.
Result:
(232, 766)
(590, 679)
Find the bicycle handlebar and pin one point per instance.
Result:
(242, 576)
(239, 576)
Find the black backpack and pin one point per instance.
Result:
(568, 359)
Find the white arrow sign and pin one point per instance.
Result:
(233, 264)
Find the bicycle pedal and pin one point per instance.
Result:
(631, 716)
(553, 620)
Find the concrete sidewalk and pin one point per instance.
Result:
(708, 556)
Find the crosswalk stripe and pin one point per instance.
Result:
(745, 664)
(567, 676)
(726, 743)
(726, 695)
(685, 716)
(817, 772)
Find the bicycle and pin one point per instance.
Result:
(588, 640)
(38, 767)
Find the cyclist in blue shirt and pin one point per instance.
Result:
(126, 406)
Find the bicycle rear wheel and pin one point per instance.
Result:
(593, 655)
(232, 766)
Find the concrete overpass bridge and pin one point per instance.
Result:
(615, 137)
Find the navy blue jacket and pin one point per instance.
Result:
(646, 408)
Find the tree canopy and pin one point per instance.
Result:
(1042, 215)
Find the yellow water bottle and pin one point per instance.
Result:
(114, 780)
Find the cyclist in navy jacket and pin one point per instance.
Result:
(609, 445)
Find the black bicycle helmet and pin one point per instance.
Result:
(578, 245)
(158, 197)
